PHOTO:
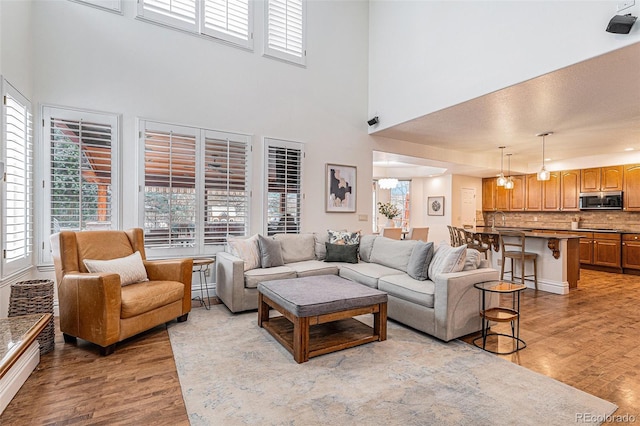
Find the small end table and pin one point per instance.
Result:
(201, 266)
(501, 314)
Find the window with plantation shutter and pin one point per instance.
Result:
(195, 188)
(82, 166)
(17, 224)
(285, 30)
(228, 20)
(284, 185)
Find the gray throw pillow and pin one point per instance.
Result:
(270, 252)
(418, 266)
(341, 253)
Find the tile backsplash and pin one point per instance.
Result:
(625, 221)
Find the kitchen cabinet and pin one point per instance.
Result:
(631, 251)
(631, 194)
(517, 194)
(533, 193)
(502, 198)
(489, 194)
(586, 247)
(569, 190)
(607, 249)
(551, 193)
(601, 179)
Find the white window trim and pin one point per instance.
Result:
(14, 268)
(283, 56)
(44, 180)
(197, 29)
(114, 6)
(268, 141)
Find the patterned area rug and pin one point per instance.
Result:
(233, 372)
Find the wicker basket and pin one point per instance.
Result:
(35, 297)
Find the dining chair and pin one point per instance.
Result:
(395, 233)
(418, 233)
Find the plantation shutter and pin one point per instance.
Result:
(81, 160)
(17, 238)
(229, 20)
(284, 188)
(226, 190)
(169, 186)
(176, 13)
(285, 32)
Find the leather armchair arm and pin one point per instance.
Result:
(180, 270)
(92, 314)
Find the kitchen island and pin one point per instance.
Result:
(558, 257)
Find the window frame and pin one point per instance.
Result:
(112, 119)
(26, 262)
(278, 54)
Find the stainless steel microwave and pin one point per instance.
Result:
(601, 200)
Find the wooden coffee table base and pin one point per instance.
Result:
(307, 337)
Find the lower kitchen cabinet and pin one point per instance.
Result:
(631, 251)
(606, 250)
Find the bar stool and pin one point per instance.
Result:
(201, 266)
(517, 241)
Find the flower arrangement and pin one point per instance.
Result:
(388, 210)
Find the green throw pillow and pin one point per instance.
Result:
(341, 253)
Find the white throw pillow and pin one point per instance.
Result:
(130, 268)
(472, 260)
(447, 259)
(246, 249)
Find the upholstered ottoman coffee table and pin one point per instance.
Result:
(317, 314)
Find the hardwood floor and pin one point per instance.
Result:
(588, 339)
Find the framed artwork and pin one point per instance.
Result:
(435, 206)
(340, 194)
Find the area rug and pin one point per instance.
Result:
(233, 372)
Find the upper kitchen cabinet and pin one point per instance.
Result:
(551, 193)
(517, 195)
(533, 193)
(602, 179)
(489, 194)
(569, 190)
(631, 194)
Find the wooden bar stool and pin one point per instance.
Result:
(514, 249)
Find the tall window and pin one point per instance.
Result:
(285, 34)
(17, 196)
(228, 20)
(400, 197)
(195, 188)
(82, 147)
(284, 189)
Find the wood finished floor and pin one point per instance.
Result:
(588, 339)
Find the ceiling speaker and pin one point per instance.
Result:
(621, 24)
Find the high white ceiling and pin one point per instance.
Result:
(592, 107)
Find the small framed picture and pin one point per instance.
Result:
(435, 206)
(341, 185)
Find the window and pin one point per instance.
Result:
(228, 20)
(195, 188)
(17, 195)
(82, 165)
(285, 30)
(284, 189)
(399, 197)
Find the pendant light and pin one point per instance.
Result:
(388, 183)
(509, 183)
(543, 174)
(501, 179)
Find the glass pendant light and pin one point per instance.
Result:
(543, 174)
(509, 183)
(501, 179)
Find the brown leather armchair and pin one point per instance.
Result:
(96, 307)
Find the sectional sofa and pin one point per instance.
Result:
(423, 292)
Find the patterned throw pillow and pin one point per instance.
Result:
(344, 237)
(447, 259)
(130, 268)
(246, 249)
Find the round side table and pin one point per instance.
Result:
(501, 314)
(202, 266)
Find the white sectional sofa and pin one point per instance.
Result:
(445, 305)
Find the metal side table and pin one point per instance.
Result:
(202, 266)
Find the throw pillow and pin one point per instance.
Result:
(130, 268)
(447, 259)
(321, 250)
(341, 253)
(344, 237)
(419, 261)
(246, 249)
(472, 260)
(270, 252)
(366, 245)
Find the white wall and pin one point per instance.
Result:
(426, 55)
(16, 45)
(88, 58)
(434, 187)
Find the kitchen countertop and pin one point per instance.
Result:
(529, 229)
